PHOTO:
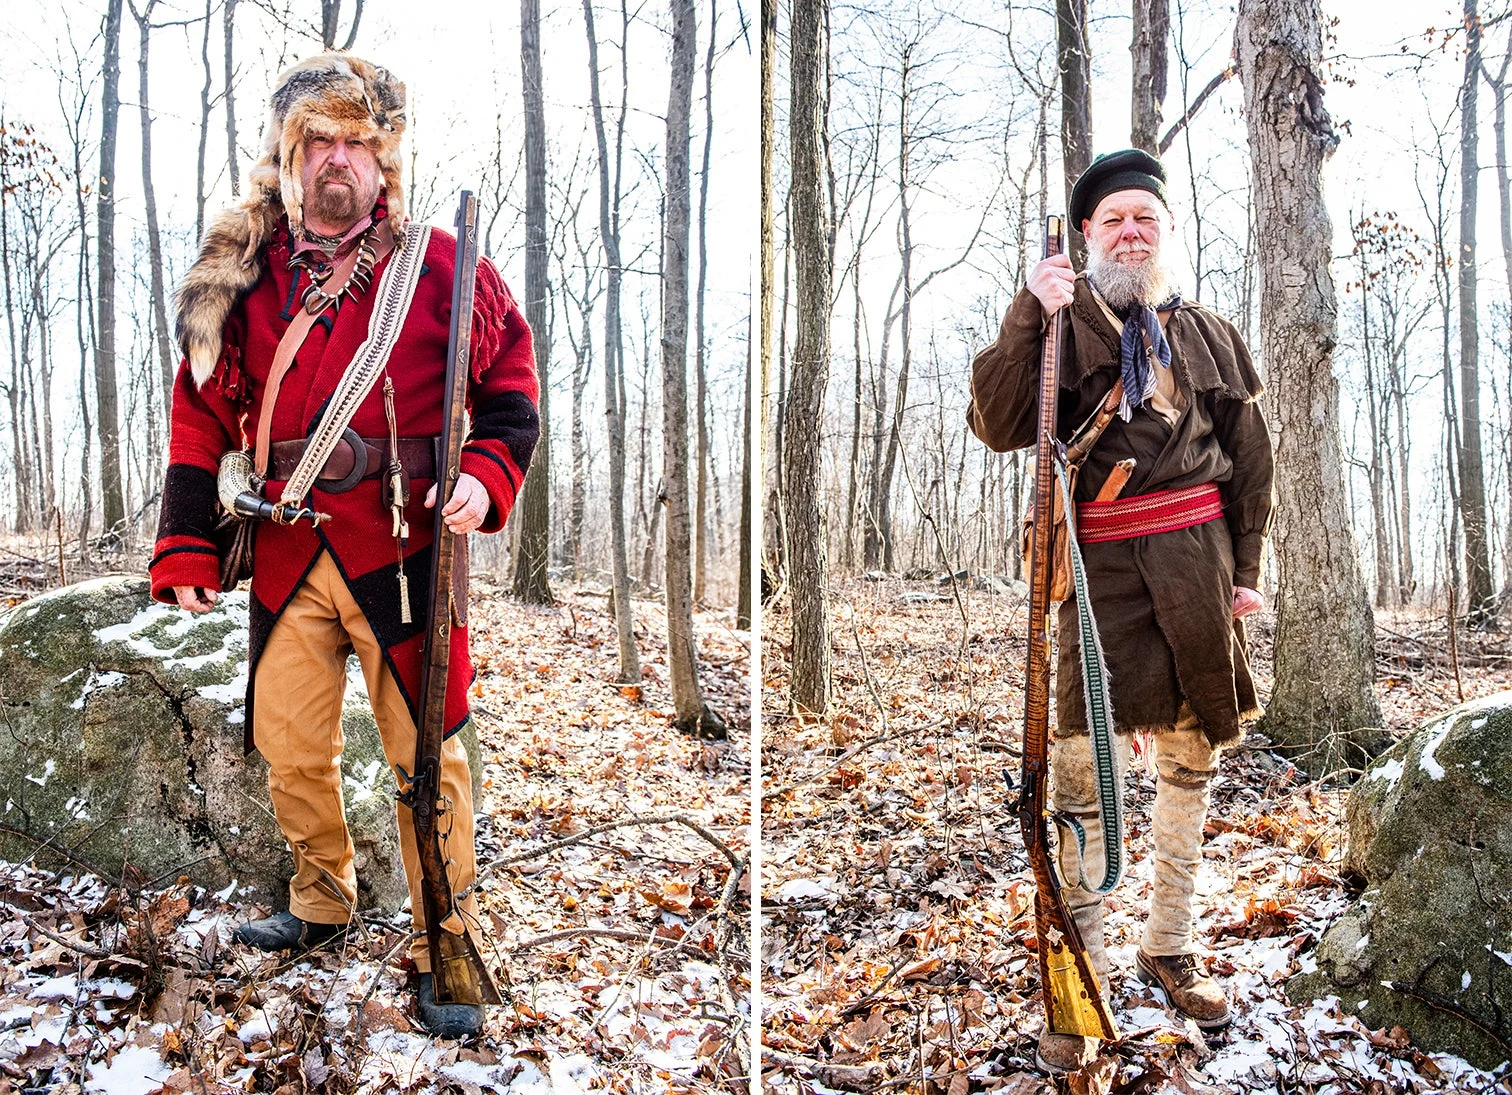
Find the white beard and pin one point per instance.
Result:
(1124, 285)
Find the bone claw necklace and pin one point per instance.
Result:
(316, 298)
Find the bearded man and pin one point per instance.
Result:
(278, 305)
(1168, 602)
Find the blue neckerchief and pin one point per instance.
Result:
(1134, 360)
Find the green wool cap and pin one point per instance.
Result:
(1130, 169)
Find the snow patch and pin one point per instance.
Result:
(1427, 762)
(1390, 771)
(136, 1070)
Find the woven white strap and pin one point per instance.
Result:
(396, 289)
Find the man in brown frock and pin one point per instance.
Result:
(1168, 576)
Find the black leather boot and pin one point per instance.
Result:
(284, 930)
(446, 1020)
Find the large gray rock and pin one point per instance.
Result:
(122, 742)
(1430, 831)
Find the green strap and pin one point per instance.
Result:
(1099, 722)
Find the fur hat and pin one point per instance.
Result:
(332, 94)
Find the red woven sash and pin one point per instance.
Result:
(1147, 514)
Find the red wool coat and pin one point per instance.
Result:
(222, 415)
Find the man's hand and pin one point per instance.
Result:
(1053, 281)
(195, 598)
(468, 506)
(1246, 601)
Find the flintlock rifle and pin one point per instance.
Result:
(1073, 1001)
(461, 976)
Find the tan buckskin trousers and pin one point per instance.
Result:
(301, 678)
(1186, 763)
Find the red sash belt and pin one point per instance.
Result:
(1147, 514)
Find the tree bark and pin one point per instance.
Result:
(701, 386)
(531, 583)
(228, 20)
(154, 236)
(808, 575)
(1480, 606)
(691, 714)
(1152, 26)
(204, 132)
(614, 364)
(111, 494)
(1323, 703)
(1074, 54)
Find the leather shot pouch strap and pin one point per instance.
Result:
(1060, 534)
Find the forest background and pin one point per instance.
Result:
(467, 129)
(945, 143)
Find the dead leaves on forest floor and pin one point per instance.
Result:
(626, 943)
(897, 906)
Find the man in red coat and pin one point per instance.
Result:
(328, 189)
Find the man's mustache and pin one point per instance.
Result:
(337, 174)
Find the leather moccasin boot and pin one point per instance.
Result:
(283, 931)
(1187, 987)
(446, 1020)
(1062, 1053)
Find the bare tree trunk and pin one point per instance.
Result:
(808, 571)
(682, 653)
(614, 366)
(744, 601)
(1074, 52)
(204, 132)
(905, 256)
(1504, 193)
(531, 582)
(701, 387)
(105, 353)
(768, 262)
(154, 237)
(330, 24)
(1323, 701)
(228, 19)
(1480, 606)
(1152, 25)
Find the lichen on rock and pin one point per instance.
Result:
(122, 744)
(1427, 946)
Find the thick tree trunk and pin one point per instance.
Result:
(808, 571)
(1480, 606)
(1074, 56)
(531, 582)
(682, 653)
(1152, 26)
(1323, 702)
(112, 496)
(614, 366)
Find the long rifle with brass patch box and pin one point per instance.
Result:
(1073, 1001)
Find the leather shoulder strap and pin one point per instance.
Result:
(294, 337)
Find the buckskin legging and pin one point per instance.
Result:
(1186, 764)
(302, 673)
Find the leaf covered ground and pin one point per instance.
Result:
(628, 947)
(896, 901)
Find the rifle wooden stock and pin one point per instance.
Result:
(460, 974)
(1073, 1002)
